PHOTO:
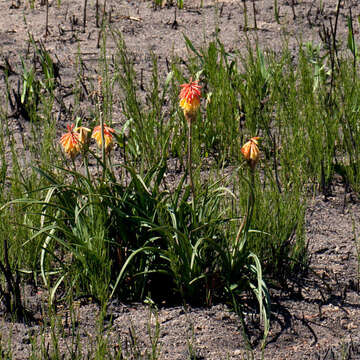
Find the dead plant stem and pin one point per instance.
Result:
(84, 17)
(47, 19)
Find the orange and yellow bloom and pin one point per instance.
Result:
(107, 136)
(251, 152)
(74, 140)
(70, 142)
(190, 95)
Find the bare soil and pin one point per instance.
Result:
(318, 317)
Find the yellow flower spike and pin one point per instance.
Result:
(83, 134)
(251, 152)
(107, 136)
(70, 142)
(190, 95)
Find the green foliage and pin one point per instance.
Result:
(149, 130)
(128, 238)
(280, 215)
(30, 91)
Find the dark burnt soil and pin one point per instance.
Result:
(319, 317)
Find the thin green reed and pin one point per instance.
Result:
(348, 159)
(144, 107)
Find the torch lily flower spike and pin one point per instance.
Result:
(107, 136)
(83, 134)
(251, 152)
(70, 142)
(190, 95)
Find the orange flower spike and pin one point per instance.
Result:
(107, 136)
(70, 142)
(190, 95)
(251, 152)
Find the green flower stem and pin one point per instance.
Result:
(103, 158)
(75, 170)
(189, 156)
(86, 165)
(244, 226)
(251, 194)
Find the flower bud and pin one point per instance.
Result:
(251, 152)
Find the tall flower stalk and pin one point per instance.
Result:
(251, 154)
(190, 95)
(102, 133)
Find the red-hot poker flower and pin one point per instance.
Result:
(190, 95)
(251, 152)
(70, 142)
(83, 134)
(107, 136)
